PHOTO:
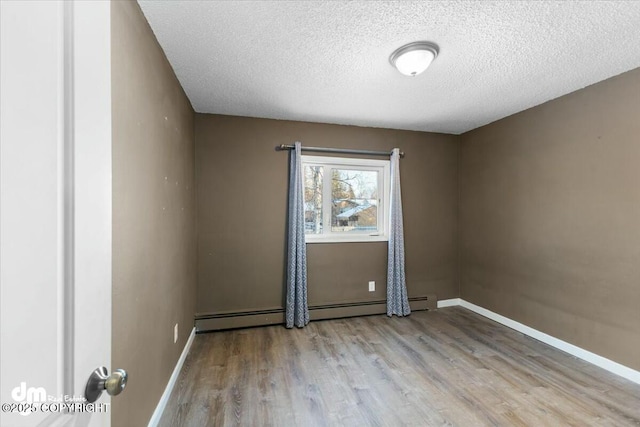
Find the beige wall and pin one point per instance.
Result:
(550, 218)
(153, 215)
(241, 184)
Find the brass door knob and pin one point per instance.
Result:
(100, 381)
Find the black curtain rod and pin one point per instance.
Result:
(284, 147)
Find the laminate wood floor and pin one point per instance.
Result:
(447, 367)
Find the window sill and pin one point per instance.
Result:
(345, 239)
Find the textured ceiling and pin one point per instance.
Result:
(327, 61)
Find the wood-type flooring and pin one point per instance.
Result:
(447, 367)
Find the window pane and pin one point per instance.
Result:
(354, 201)
(313, 199)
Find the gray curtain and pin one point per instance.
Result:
(296, 310)
(397, 300)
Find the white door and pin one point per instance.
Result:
(55, 210)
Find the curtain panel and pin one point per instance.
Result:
(397, 299)
(296, 310)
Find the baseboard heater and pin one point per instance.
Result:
(273, 316)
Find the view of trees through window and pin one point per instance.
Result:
(313, 181)
(354, 199)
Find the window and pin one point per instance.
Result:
(345, 199)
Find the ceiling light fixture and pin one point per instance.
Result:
(413, 58)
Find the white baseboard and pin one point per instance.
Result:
(595, 359)
(157, 414)
(448, 302)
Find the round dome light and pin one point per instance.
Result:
(413, 58)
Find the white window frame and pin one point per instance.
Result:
(384, 189)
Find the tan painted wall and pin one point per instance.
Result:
(241, 184)
(550, 218)
(154, 278)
